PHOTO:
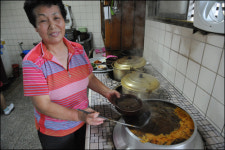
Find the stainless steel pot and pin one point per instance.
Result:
(139, 84)
(127, 64)
(123, 138)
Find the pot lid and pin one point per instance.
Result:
(128, 62)
(141, 82)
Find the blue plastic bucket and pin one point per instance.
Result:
(26, 51)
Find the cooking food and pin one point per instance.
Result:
(94, 66)
(129, 104)
(103, 67)
(97, 62)
(180, 134)
(167, 119)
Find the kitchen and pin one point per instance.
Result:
(192, 63)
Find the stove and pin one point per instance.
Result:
(101, 137)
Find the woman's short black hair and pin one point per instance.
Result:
(30, 5)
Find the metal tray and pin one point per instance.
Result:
(102, 59)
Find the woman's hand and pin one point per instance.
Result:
(92, 118)
(111, 95)
(97, 86)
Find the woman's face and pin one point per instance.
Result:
(50, 24)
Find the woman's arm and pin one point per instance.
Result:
(44, 105)
(97, 86)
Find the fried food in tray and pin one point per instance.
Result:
(102, 67)
(97, 62)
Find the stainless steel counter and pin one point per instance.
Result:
(100, 137)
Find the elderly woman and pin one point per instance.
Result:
(56, 75)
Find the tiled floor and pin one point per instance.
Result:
(18, 129)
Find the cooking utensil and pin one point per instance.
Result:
(127, 64)
(139, 84)
(123, 138)
(130, 125)
(127, 104)
(132, 109)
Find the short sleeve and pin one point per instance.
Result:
(34, 81)
(89, 64)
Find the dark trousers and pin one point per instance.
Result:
(75, 140)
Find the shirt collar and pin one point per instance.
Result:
(48, 55)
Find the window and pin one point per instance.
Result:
(170, 9)
(181, 12)
(172, 12)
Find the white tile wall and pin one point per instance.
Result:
(186, 32)
(221, 66)
(216, 40)
(211, 57)
(195, 66)
(216, 115)
(193, 71)
(182, 64)
(171, 74)
(166, 54)
(201, 100)
(206, 79)
(168, 39)
(179, 80)
(185, 46)
(218, 90)
(175, 42)
(15, 26)
(173, 58)
(161, 34)
(199, 37)
(189, 89)
(196, 50)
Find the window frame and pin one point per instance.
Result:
(181, 20)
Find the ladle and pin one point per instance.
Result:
(130, 125)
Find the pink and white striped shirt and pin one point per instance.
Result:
(44, 75)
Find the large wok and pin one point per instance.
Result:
(125, 139)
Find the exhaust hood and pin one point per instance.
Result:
(209, 16)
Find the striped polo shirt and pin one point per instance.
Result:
(43, 74)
